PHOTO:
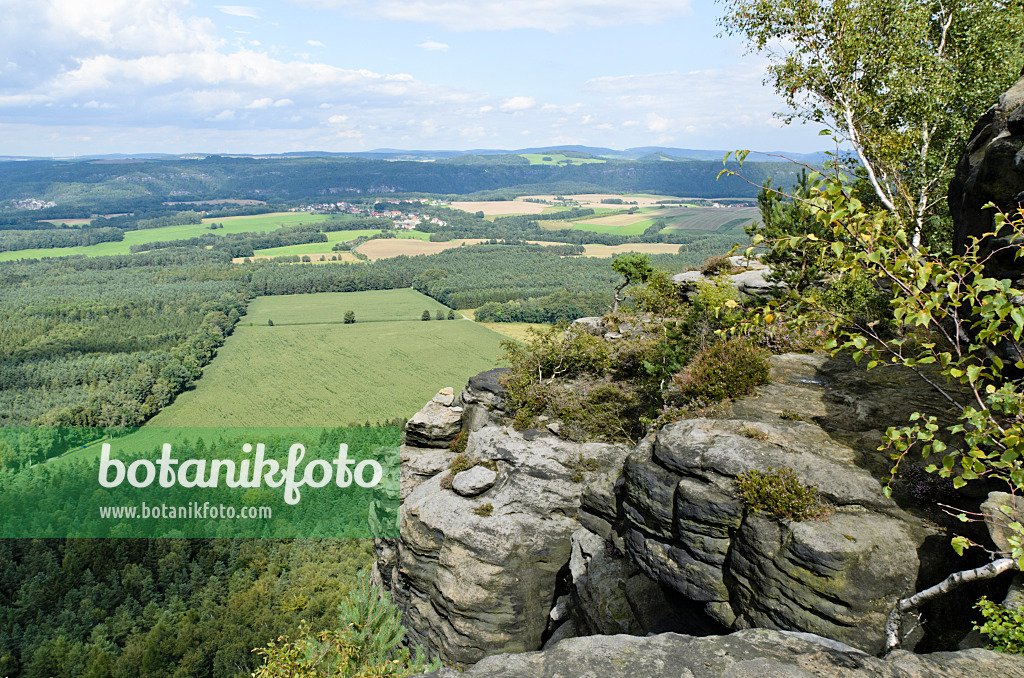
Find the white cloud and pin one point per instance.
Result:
(315, 43)
(432, 46)
(549, 15)
(337, 119)
(518, 104)
(224, 115)
(239, 10)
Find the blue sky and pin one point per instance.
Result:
(178, 76)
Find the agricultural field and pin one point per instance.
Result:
(557, 159)
(308, 370)
(393, 247)
(615, 250)
(500, 207)
(711, 219)
(594, 199)
(318, 247)
(330, 307)
(245, 224)
(514, 331)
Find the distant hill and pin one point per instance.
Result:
(638, 153)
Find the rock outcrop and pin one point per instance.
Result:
(686, 527)
(991, 169)
(478, 575)
(750, 282)
(755, 653)
(545, 539)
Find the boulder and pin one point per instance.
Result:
(474, 481)
(991, 169)
(751, 283)
(753, 653)
(470, 585)
(591, 324)
(436, 424)
(1005, 508)
(446, 396)
(483, 400)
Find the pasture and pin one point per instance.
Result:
(330, 374)
(246, 224)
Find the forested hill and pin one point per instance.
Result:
(134, 183)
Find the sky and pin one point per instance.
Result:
(274, 76)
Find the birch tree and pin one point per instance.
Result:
(900, 82)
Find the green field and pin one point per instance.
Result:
(330, 307)
(556, 158)
(332, 238)
(710, 219)
(631, 229)
(329, 374)
(249, 224)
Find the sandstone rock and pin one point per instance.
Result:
(445, 396)
(1006, 508)
(750, 283)
(685, 526)
(474, 481)
(483, 400)
(471, 585)
(610, 595)
(420, 464)
(991, 169)
(754, 653)
(435, 425)
(591, 324)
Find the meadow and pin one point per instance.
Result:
(308, 370)
(244, 224)
(324, 248)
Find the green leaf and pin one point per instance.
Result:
(960, 544)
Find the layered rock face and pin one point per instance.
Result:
(755, 653)
(544, 540)
(991, 168)
(475, 571)
(686, 527)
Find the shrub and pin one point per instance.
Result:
(270, 323)
(459, 442)
(461, 462)
(727, 369)
(484, 510)
(367, 643)
(716, 265)
(350, 317)
(425, 316)
(780, 493)
(855, 296)
(440, 314)
(1003, 626)
(549, 354)
(451, 314)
